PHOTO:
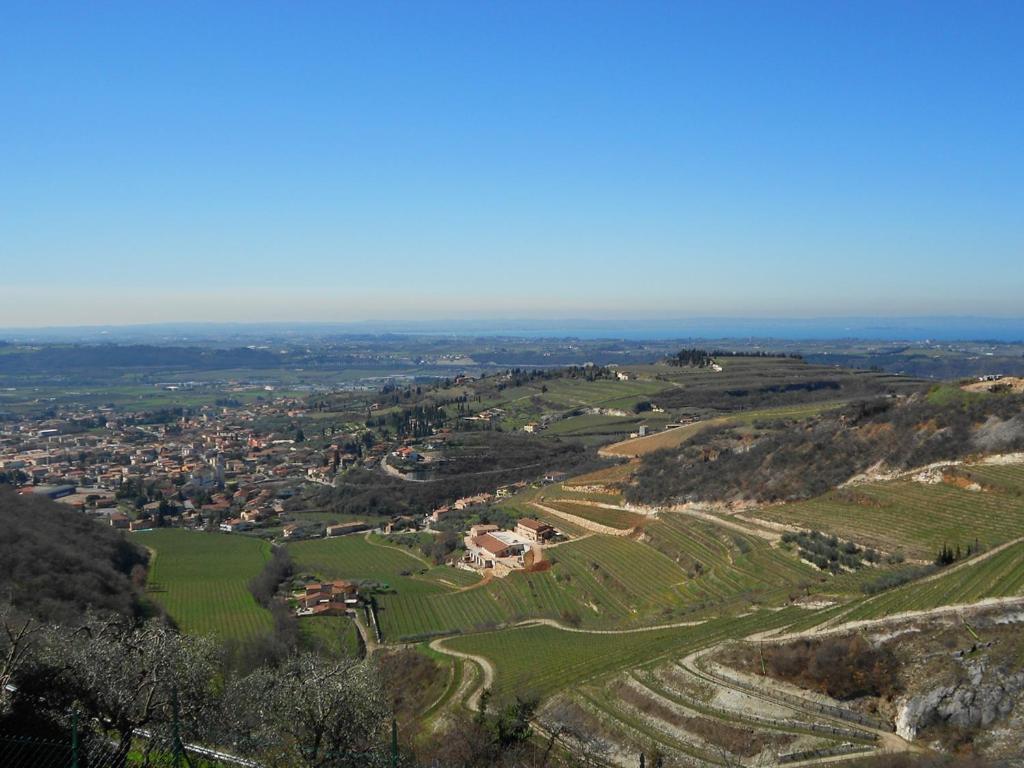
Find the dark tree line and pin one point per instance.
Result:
(692, 358)
(58, 563)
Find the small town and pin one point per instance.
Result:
(213, 469)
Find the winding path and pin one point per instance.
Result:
(558, 625)
(944, 610)
(470, 691)
(486, 668)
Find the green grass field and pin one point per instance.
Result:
(201, 580)
(335, 636)
(365, 558)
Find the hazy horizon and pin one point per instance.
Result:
(654, 328)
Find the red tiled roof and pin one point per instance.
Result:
(491, 544)
(533, 525)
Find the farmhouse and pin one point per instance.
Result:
(327, 598)
(407, 453)
(499, 551)
(534, 530)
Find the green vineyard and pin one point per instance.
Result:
(917, 518)
(999, 575)
(541, 660)
(201, 580)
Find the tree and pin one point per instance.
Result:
(310, 713)
(501, 738)
(17, 636)
(126, 676)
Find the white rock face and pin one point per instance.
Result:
(976, 702)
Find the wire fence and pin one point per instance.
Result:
(89, 748)
(84, 745)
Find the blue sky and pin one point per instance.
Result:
(344, 161)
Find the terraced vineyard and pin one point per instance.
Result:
(1008, 478)
(562, 524)
(541, 660)
(404, 615)
(671, 438)
(613, 475)
(618, 579)
(600, 581)
(916, 518)
(1000, 575)
(201, 579)
(723, 564)
(595, 424)
(565, 395)
(629, 608)
(620, 519)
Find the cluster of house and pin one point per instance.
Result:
(408, 453)
(328, 598)
(487, 415)
(501, 552)
(465, 502)
(185, 467)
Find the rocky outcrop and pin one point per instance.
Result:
(984, 697)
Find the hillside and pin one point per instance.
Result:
(57, 564)
(799, 459)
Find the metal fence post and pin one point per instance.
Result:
(176, 748)
(74, 739)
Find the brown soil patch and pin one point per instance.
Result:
(543, 565)
(960, 481)
(874, 430)
(610, 477)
